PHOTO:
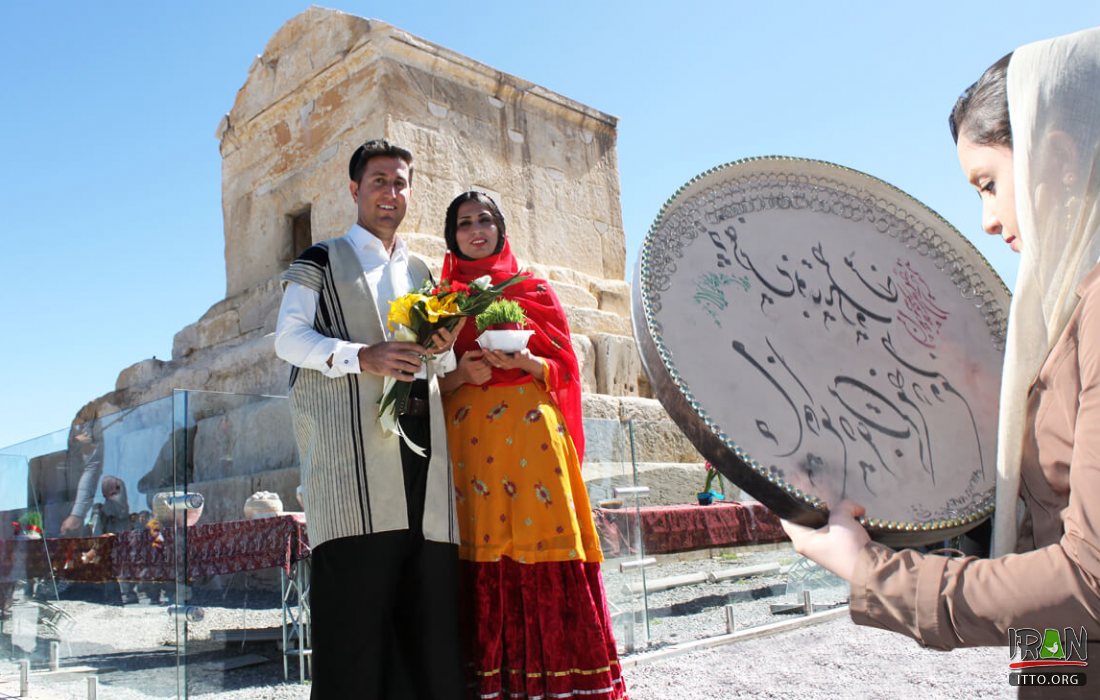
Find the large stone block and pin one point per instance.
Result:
(656, 437)
(557, 274)
(218, 329)
(246, 439)
(668, 483)
(600, 406)
(618, 366)
(574, 296)
(592, 321)
(186, 341)
(613, 296)
(607, 442)
(249, 367)
(430, 247)
(662, 442)
(259, 307)
(220, 325)
(582, 346)
(619, 429)
(141, 373)
(644, 410)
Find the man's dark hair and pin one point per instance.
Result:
(981, 112)
(373, 149)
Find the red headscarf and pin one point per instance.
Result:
(545, 316)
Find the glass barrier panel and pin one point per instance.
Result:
(25, 622)
(615, 496)
(87, 597)
(716, 568)
(244, 579)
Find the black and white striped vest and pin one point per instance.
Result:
(351, 471)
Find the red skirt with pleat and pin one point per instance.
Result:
(537, 631)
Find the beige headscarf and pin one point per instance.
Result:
(1054, 110)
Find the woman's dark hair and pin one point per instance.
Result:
(981, 112)
(450, 224)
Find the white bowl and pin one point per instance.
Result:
(504, 341)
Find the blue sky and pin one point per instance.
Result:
(111, 185)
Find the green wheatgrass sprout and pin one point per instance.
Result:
(32, 518)
(501, 311)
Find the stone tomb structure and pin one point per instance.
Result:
(326, 82)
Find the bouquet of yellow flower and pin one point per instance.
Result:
(415, 317)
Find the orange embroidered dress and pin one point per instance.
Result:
(536, 618)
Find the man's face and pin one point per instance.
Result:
(381, 195)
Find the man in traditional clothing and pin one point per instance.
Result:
(381, 517)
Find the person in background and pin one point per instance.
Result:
(85, 455)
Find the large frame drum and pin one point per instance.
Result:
(818, 334)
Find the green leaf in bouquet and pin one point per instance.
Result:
(421, 326)
(398, 397)
(480, 301)
(498, 288)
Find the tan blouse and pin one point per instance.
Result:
(1052, 581)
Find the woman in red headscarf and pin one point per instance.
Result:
(537, 620)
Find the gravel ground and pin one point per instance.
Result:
(835, 659)
(832, 660)
(698, 610)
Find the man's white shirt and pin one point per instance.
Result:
(387, 276)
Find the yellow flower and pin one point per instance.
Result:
(401, 309)
(437, 307)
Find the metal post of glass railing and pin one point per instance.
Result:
(640, 492)
(180, 457)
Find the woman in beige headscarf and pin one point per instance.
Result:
(1028, 137)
